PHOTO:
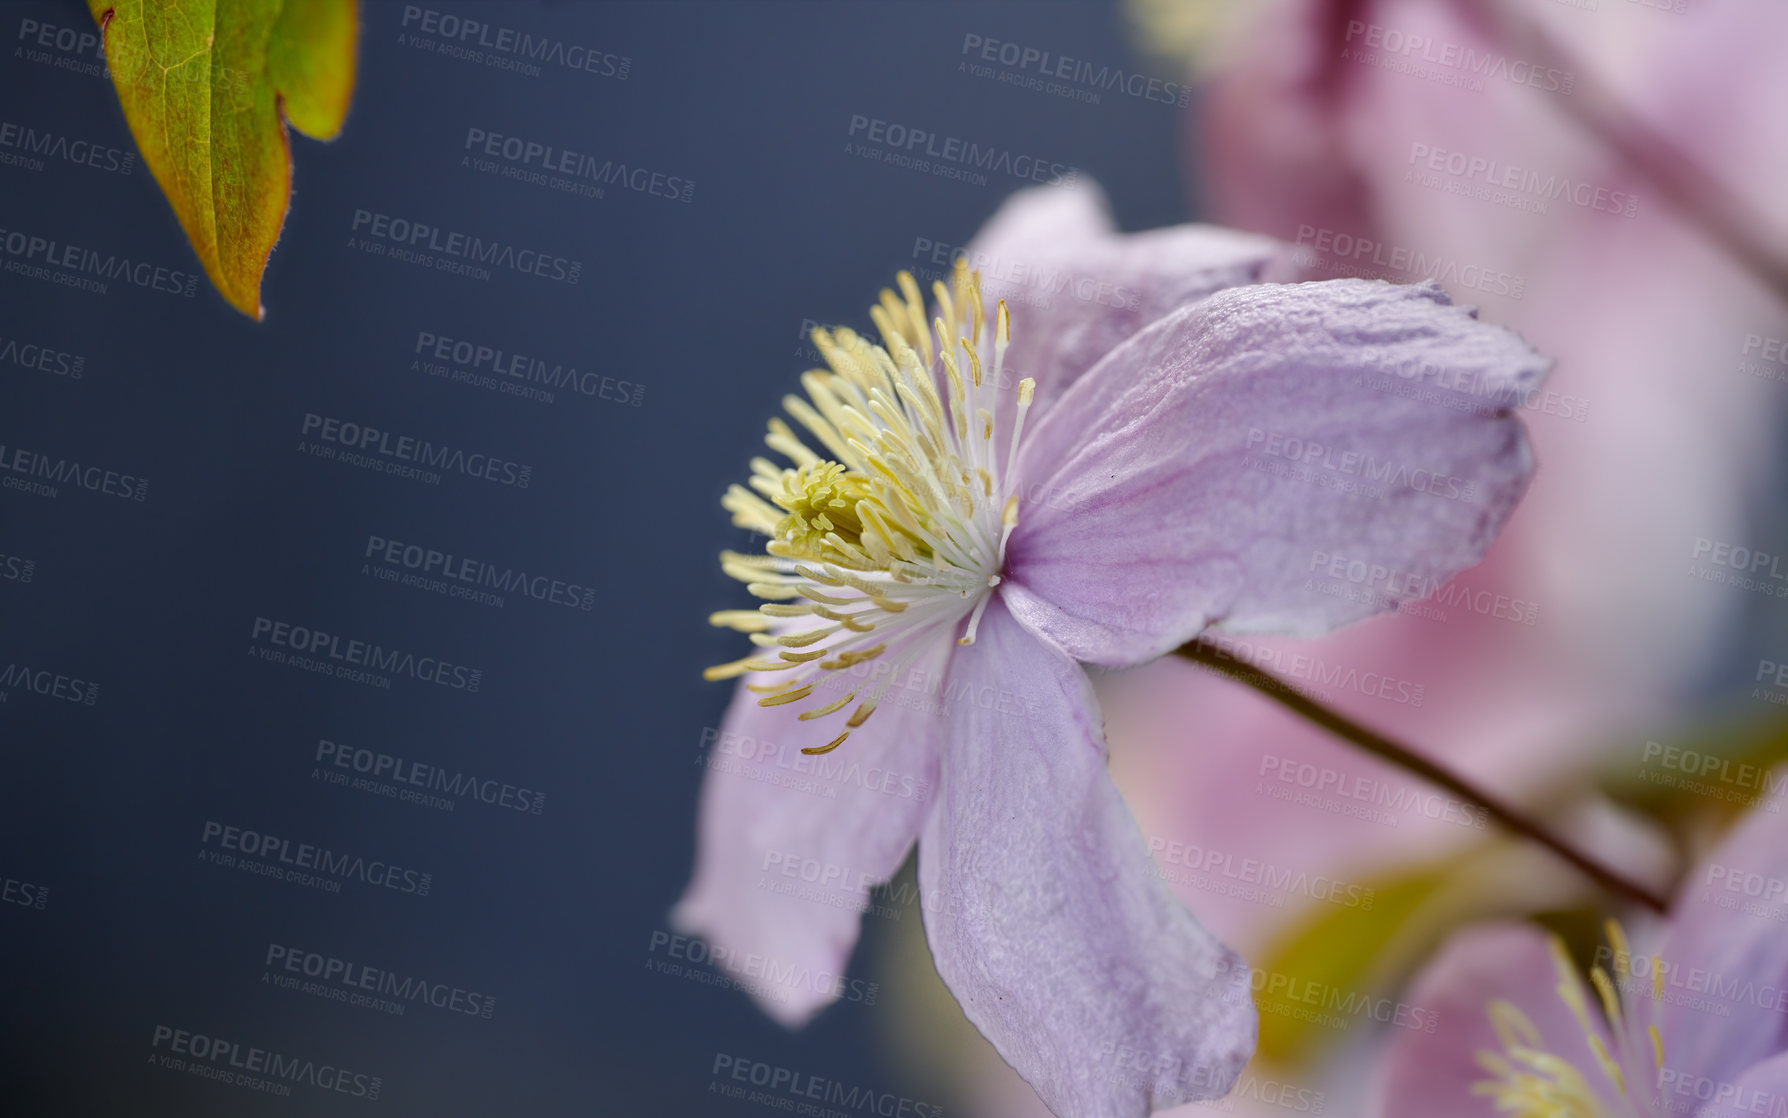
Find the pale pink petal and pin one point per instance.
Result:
(1726, 958)
(1075, 287)
(789, 844)
(1761, 1090)
(1043, 915)
(1429, 1071)
(1207, 467)
(1273, 126)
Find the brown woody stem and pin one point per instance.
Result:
(1215, 658)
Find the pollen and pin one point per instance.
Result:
(886, 528)
(821, 500)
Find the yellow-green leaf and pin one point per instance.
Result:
(207, 88)
(1339, 964)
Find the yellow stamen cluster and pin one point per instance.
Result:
(821, 499)
(895, 533)
(1532, 1082)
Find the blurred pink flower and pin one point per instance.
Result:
(1696, 1028)
(1336, 128)
(1199, 449)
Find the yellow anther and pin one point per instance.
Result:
(731, 670)
(829, 746)
(782, 697)
(740, 620)
(830, 708)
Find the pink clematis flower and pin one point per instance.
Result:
(1695, 1029)
(968, 519)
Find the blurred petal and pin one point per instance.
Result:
(1428, 1073)
(1044, 917)
(1196, 475)
(1727, 954)
(1761, 1090)
(767, 808)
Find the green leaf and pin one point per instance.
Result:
(1702, 774)
(1333, 950)
(207, 88)
(1330, 973)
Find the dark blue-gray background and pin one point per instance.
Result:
(700, 302)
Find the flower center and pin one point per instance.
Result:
(896, 535)
(1531, 1082)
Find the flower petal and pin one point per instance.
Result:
(1043, 911)
(789, 844)
(1726, 957)
(1429, 1069)
(1075, 287)
(1762, 1089)
(1207, 470)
